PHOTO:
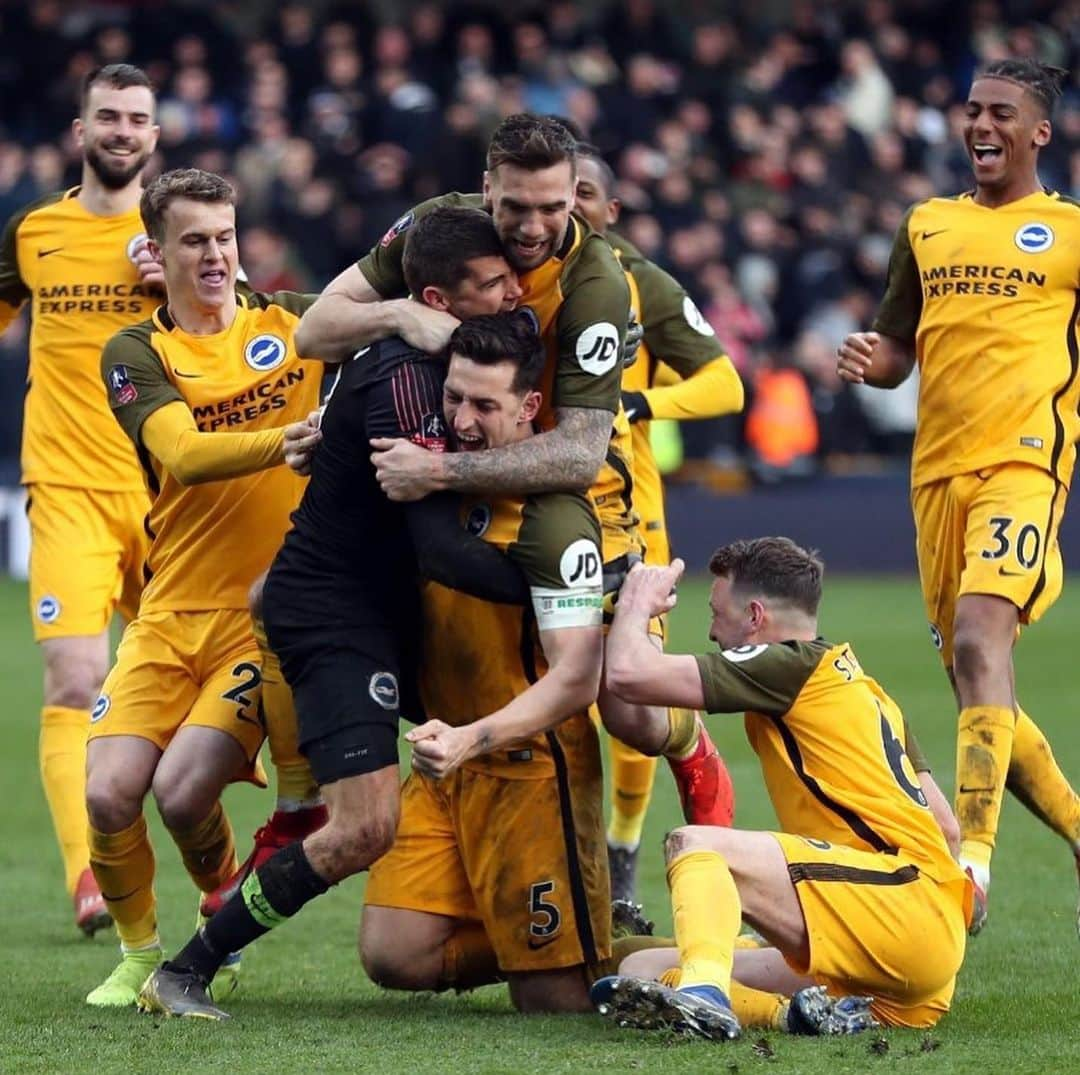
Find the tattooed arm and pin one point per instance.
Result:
(564, 459)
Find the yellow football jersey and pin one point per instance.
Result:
(478, 656)
(76, 270)
(210, 541)
(990, 299)
(832, 746)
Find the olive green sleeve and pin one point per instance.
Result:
(558, 549)
(914, 751)
(552, 523)
(382, 265)
(764, 678)
(900, 309)
(676, 332)
(13, 289)
(292, 301)
(135, 379)
(591, 326)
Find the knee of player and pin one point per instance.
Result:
(110, 805)
(391, 969)
(74, 684)
(182, 804)
(688, 838)
(358, 842)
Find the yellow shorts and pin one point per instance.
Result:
(524, 857)
(993, 531)
(87, 549)
(181, 669)
(879, 926)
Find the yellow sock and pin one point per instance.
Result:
(296, 786)
(631, 789)
(469, 960)
(1037, 781)
(123, 864)
(62, 758)
(756, 1008)
(707, 913)
(983, 746)
(683, 733)
(208, 850)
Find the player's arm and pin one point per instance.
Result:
(711, 390)
(885, 356)
(448, 554)
(369, 301)
(156, 418)
(193, 457)
(676, 333)
(559, 548)
(570, 685)
(636, 670)
(13, 290)
(445, 551)
(350, 314)
(564, 459)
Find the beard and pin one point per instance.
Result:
(109, 174)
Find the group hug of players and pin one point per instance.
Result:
(469, 533)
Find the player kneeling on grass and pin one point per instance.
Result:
(858, 893)
(498, 869)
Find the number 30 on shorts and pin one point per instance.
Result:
(1025, 540)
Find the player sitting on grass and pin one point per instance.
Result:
(858, 891)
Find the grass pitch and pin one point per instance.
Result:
(305, 1005)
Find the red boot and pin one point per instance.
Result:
(283, 828)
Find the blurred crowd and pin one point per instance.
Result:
(765, 153)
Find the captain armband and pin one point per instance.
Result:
(573, 606)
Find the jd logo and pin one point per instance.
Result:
(597, 348)
(580, 563)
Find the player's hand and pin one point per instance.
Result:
(635, 333)
(301, 440)
(404, 470)
(422, 327)
(150, 270)
(650, 589)
(438, 749)
(855, 356)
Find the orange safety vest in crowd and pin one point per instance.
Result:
(781, 425)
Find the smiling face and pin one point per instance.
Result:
(117, 133)
(483, 408)
(199, 254)
(1004, 129)
(531, 210)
